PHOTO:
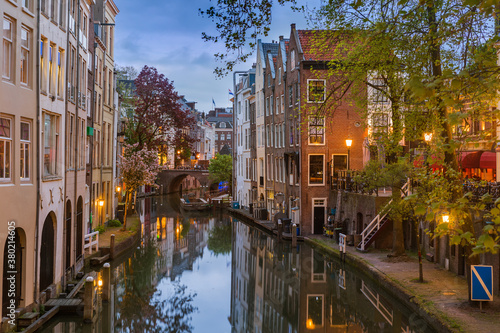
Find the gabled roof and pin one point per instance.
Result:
(268, 47)
(315, 44)
(284, 49)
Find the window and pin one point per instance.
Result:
(279, 75)
(278, 105)
(52, 55)
(8, 36)
(25, 55)
(50, 145)
(59, 73)
(291, 135)
(228, 136)
(282, 103)
(316, 91)
(222, 125)
(222, 136)
(267, 106)
(292, 60)
(271, 103)
(316, 130)
(379, 91)
(290, 95)
(380, 124)
(316, 170)
(25, 150)
(28, 4)
(339, 163)
(297, 93)
(5, 148)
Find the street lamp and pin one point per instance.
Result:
(446, 218)
(427, 137)
(348, 143)
(101, 204)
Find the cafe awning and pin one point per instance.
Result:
(488, 160)
(470, 159)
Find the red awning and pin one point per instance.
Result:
(470, 159)
(488, 160)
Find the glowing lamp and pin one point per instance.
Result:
(101, 203)
(446, 218)
(348, 142)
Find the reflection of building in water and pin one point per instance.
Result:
(271, 281)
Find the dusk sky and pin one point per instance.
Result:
(167, 35)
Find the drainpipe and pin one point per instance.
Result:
(38, 151)
(77, 33)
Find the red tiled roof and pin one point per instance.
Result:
(286, 45)
(316, 44)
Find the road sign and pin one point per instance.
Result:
(482, 283)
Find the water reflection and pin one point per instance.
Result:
(276, 288)
(213, 274)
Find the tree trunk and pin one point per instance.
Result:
(398, 243)
(127, 199)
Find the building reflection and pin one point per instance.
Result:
(277, 288)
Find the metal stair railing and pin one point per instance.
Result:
(376, 223)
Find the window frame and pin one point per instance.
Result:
(25, 151)
(6, 150)
(319, 129)
(310, 87)
(11, 49)
(54, 171)
(309, 183)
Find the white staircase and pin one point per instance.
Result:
(369, 234)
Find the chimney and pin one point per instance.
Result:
(281, 38)
(292, 26)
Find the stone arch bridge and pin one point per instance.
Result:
(170, 180)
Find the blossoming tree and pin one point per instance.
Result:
(139, 167)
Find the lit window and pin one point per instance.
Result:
(25, 150)
(316, 130)
(5, 147)
(316, 91)
(316, 170)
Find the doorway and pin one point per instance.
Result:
(47, 253)
(319, 215)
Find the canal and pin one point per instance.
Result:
(204, 273)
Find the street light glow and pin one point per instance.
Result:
(348, 142)
(446, 218)
(101, 203)
(427, 137)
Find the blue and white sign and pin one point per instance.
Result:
(482, 283)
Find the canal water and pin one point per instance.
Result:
(212, 273)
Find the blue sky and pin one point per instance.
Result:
(166, 34)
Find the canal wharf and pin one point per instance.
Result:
(265, 225)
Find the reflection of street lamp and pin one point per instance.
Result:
(348, 143)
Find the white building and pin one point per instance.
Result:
(244, 90)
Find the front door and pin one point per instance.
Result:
(47, 254)
(319, 209)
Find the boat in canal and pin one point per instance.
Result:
(194, 204)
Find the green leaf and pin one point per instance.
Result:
(420, 210)
(455, 240)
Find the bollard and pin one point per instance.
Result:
(112, 247)
(294, 235)
(106, 282)
(88, 301)
(280, 230)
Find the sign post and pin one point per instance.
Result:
(481, 284)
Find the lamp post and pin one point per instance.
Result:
(348, 143)
(101, 205)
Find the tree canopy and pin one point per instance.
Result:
(221, 168)
(157, 118)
